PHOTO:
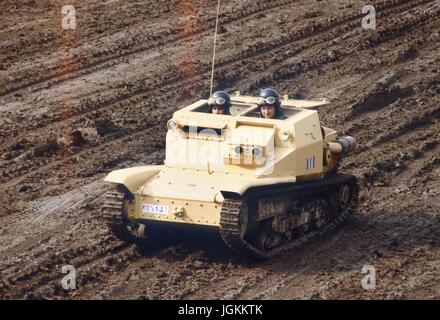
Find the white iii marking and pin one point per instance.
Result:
(310, 163)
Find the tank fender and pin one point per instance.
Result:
(133, 178)
(237, 190)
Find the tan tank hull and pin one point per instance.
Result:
(187, 200)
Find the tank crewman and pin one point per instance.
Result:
(269, 105)
(219, 103)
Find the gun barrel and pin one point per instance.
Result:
(343, 145)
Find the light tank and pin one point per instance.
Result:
(266, 185)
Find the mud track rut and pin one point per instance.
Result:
(118, 82)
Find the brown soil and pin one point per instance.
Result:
(77, 104)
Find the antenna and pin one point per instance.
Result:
(213, 54)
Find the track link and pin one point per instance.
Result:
(113, 214)
(230, 230)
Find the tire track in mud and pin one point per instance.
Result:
(396, 169)
(411, 144)
(277, 52)
(405, 127)
(94, 265)
(173, 273)
(302, 258)
(153, 42)
(427, 118)
(243, 56)
(50, 217)
(387, 99)
(45, 210)
(135, 137)
(263, 47)
(46, 275)
(290, 70)
(47, 268)
(140, 87)
(309, 259)
(397, 161)
(94, 26)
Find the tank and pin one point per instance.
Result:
(265, 185)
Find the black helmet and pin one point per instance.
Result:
(270, 97)
(220, 99)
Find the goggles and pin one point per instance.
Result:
(268, 100)
(217, 101)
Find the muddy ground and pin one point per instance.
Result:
(76, 104)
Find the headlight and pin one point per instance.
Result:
(172, 125)
(238, 149)
(284, 135)
(256, 151)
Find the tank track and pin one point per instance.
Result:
(230, 226)
(112, 213)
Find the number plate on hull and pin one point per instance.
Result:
(155, 209)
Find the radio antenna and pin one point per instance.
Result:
(215, 42)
